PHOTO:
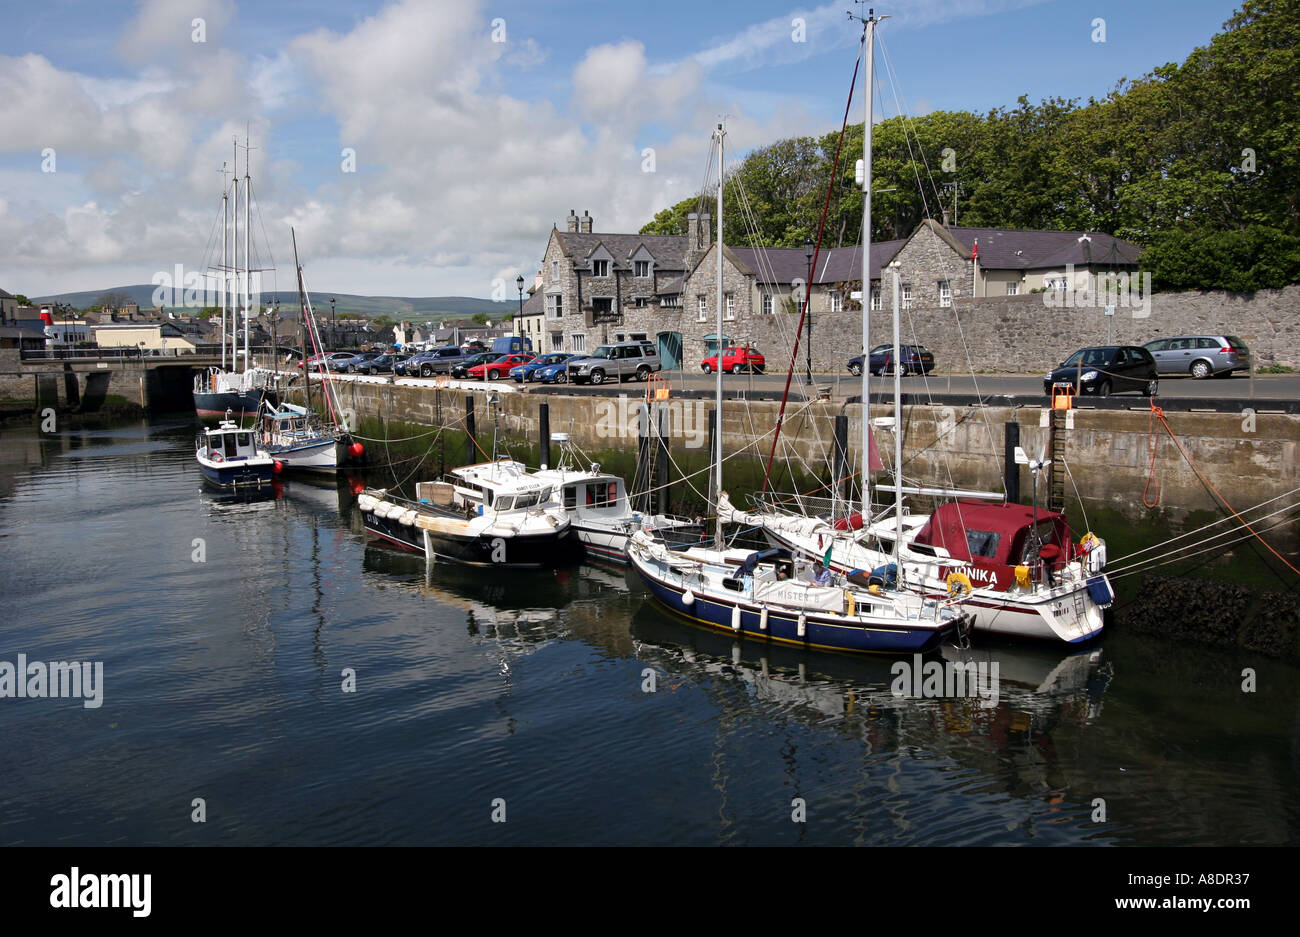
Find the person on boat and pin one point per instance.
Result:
(821, 575)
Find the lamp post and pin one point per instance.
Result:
(519, 282)
(807, 302)
(334, 325)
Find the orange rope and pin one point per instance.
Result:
(1153, 445)
(1158, 414)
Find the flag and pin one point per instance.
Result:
(874, 462)
(826, 560)
(975, 249)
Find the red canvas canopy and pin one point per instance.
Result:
(992, 534)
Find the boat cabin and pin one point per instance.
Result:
(228, 443)
(599, 496)
(996, 538)
(499, 486)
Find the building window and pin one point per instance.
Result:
(945, 293)
(671, 302)
(875, 297)
(640, 302)
(641, 269)
(907, 295)
(557, 341)
(578, 342)
(731, 307)
(767, 304)
(639, 337)
(1055, 283)
(554, 306)
(703, 313)
(555, 271)
(1013, 289)
(836, 301)
(600, 268)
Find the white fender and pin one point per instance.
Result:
(803, 624)
(688, 598)
(762, 619)
(735, 618)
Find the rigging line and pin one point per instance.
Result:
(1154, 560)
(1132, 571)
(807, 290)
(1079, 497)
(1201, 530)
(909, 133)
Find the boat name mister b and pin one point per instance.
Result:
(490, 514)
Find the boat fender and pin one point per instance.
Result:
(958, 585)
(762, 619)
(802, 625)
(735, 618)
(1022, 577)
(874, 588)
(688, 598)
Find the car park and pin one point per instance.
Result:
(557, 373)
(384, 364)
(438, 361)
(917, 359)
(736, 359)
(1201, 356)
(498, 367)
(622, 360)
(347, 364)
(526, 372)
(1105, 370)
(462, 370)
(315, 362)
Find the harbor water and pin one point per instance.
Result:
(271, 677)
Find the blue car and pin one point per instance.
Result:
(557, 373)
(529, 371)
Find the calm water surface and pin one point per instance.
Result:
(223, 680)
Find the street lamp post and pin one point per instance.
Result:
(334, 325)
(807, 301)
(519, 282)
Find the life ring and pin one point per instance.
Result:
(959, 583)
(216, 457)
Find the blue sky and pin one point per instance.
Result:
(467, 150)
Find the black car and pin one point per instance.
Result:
(344, 365)
(462, 369)
(1106, 370)
(916, 359)
(384, 364)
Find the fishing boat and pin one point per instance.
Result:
(1023, 574)
(235, 387)
(492, 514)
(232, 460)
(771, 595)
(598, 507)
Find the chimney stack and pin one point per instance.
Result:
(585, 224)
(945, 217)
(706, 230)
(573, 221)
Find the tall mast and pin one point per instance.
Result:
(302, 319)
(898, 439)
(224, 276)
(248, 273)
(868, 37)
(717, 407)
(234, 263)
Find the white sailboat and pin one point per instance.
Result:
(772, 595)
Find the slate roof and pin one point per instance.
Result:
(786, 264)
(668, 250)
(535, 305)
(1019, 249)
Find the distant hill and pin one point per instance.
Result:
(399, 307)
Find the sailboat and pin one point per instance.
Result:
(774, 595)
(235, 387)
(1022, 572)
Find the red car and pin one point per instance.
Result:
(736, 359)
(491, 370)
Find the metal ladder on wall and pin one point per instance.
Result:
(1056, 452)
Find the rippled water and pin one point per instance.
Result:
(223, 681)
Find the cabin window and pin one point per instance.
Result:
(570, 497)
(243, 440)
(602, 494)
(229, 442)
(505, 504)
(982, 543)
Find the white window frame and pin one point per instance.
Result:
(671, 301)
(555, 271)
(578, 342)
(600, 269)
(905, 296)
(702, 313)
(835, 301)
(769, 304)
(945, 294)
(641, 265)
(554, 306)
(729, 314)
(877, 301)
(1013, 289)
(557, 341)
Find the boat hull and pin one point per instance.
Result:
(530, 551)
(238, 476)
(321, 456)
(239, 403)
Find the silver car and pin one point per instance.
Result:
(623, 360)
(1200, 356)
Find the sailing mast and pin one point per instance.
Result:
(248, 273)
(717, 338)
(868, 37)
(302, 318)
(234, 263)
(225, 272)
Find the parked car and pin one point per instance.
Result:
(622, 360)
(462, 370)
(1106, 370)
(384, 364)
(347, 364)
(1201, 356)
(917, 359)
(327, 359)
(557, 373)
(527, 372)
(498, 367)
(736, 359)
(438, 361)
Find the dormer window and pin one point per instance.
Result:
(600, 268)
(641, 269)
